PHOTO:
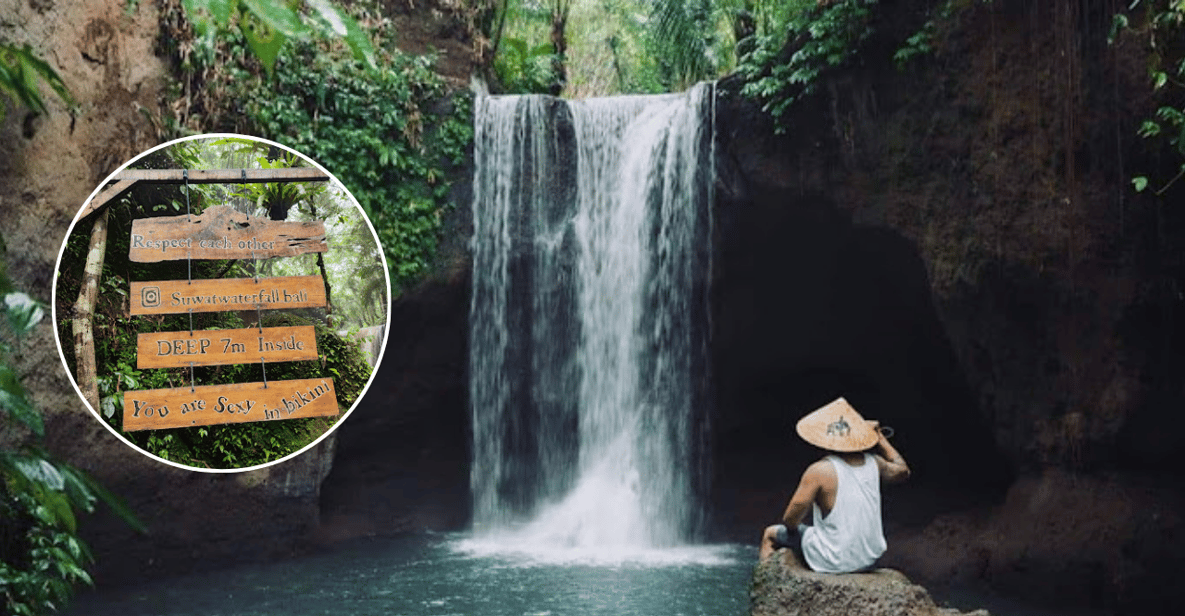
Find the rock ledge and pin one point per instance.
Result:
(783, 587)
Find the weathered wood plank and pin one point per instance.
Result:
(124, 180)
(222, 233)
(225, 346)
(223, 176)
(182, 407)
(179, 296)
(105, 195)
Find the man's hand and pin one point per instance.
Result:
(891, 464)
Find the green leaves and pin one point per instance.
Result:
(37, 576)
(263, 38)
(38, 495)
(21, 73)
(32, 470)
(267, 25)
(333, 19)
(1118, 23)
(683, 37)
(525, 70)
(14, 401)
(1148, 129)
(21, 314)
(44, 495)
(374, 132)
(828, 37)
(1165, 72)
(277, 15)
(277, 196)
(919, 44)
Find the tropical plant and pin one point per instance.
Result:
(21, 72)
(393, 135)
(275, 198)
(1162, 30)
(42, 557)
(686, 40)
(602, 47)
(377, 133)
(526, 70)
(823, 37)
(267, 25)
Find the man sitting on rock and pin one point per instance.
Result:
(843, 489)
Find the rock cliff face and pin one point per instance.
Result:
(956, 249)
(403, 462)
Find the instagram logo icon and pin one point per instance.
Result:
(150, 297)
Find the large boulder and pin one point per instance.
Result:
(783, 587)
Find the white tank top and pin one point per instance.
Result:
(850, 537)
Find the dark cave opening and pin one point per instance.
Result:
(809, 306)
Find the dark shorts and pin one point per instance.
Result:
(785, 538)
(793, 539)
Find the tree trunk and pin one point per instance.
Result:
(84, 313)
(328, 289)
(559, 44)
(324, 277)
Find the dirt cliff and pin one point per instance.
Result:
(109, 55)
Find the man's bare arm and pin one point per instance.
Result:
(804, 495)
(889, 461)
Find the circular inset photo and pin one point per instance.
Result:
(221, 303)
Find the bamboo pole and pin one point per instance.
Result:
(84, 312)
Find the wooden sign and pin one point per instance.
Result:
(225, 346)
(179, 296)
(222, 233)
(182, 407)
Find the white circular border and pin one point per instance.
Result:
(57, 335)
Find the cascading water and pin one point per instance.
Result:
(588, 377)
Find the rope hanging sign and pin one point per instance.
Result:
(222, 233)
(180, 296)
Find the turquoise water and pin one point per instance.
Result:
(444, 575)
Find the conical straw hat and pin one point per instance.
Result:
(837, 427)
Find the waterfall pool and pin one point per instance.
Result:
(440, 575)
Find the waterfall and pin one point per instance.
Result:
(589, 320)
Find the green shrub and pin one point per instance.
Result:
(41, 556)
(392, 135)
(824, 38)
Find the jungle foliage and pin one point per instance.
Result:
(1160, 26)
(387, 127)
(637, 46)
(378, 133)
(610, 46)
(42, 557)
(822, 38)
(232, 445)
(21, 74)
(267, 25)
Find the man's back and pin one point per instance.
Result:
(847, 533)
